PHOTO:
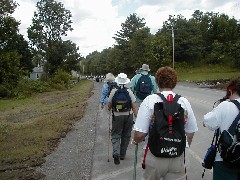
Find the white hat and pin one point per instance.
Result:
(109, 77)
(145, 67)
(122, 79)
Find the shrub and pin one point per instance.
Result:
(62, 77)
(4, 91)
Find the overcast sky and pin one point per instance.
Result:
(96, 21)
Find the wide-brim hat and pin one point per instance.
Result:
(145, 67)
(109, 77)
(122, 79)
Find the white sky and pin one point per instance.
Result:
(95, 22)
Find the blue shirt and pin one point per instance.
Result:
(104, 94)
(134, 81)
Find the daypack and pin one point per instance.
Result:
(121, 101)
(143, 87)
(229, 142)
(167, 135)
(111, 85)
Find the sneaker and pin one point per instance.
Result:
(116, 159)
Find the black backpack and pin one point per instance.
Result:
(111, 85)
(143, 87)
(228, 147)
(121, 101)
(167, 135)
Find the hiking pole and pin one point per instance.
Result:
(109, 131)
(135, 162)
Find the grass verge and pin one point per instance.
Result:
(31, 128)
(205, 73)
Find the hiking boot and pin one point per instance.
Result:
(122, 157)
(116, 159)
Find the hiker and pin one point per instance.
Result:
(172, 167)
(122, 102)
(222, 117)
(140, 91)
(110, 79)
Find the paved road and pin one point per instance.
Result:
(201, 100)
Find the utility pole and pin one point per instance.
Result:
(173, 45)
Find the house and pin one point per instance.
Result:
(37, 73)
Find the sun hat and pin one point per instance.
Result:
(109, 77)
(122, 79)
(145, 67)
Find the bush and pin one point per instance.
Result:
(62, 78)
(4, 91)
(26, 87)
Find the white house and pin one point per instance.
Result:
(37, 73)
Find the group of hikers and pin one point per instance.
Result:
(165, 122)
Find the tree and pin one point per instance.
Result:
(7, 7)
(49, 24)
(15, 53)
(132, 24)
(123, 37)
(139, 49)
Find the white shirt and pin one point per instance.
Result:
(221, 117)
(147, 108)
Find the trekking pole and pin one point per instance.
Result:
(109, 131)
(135, 162)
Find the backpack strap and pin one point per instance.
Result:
(170, 99)
(169, 103)
(235, 122)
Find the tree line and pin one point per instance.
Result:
(205, 38)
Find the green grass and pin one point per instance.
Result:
(30, 128)
(207, 73)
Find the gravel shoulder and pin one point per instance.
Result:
(72, 159)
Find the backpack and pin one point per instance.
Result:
(167, 135)
(143, 87)
(121, 101)
(111, 85)
(229, 142)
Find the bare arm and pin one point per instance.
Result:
(135, 109)
(138, 137)
(189, 138)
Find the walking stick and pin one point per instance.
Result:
(109, 131)
(135, 162)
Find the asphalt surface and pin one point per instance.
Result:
(86, 151)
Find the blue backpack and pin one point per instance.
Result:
(121, 101)
(143, 87)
